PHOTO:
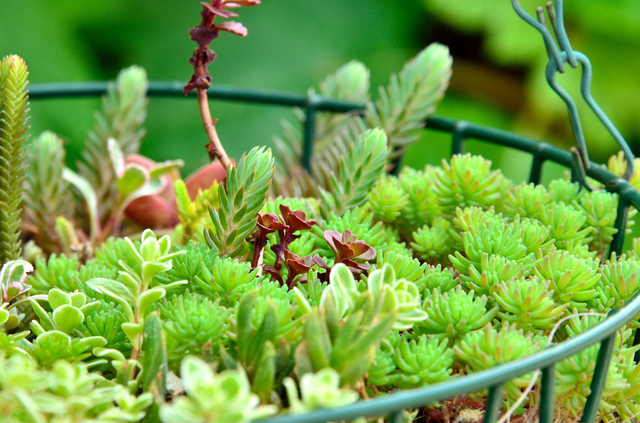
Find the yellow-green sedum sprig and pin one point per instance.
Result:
(486, 348)
(528, 303)
(468, 180)
(454, 313)
(572, 278)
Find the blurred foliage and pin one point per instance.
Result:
(607, 32)
(291, 45)
(498, 76)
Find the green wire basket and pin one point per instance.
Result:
(494, 379)
(577, 160)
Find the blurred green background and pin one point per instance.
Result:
(293, 44)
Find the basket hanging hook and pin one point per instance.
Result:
(558, 56)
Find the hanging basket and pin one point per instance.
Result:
(494, 379)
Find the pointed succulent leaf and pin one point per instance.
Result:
(154, 363)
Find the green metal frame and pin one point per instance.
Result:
(494, 379)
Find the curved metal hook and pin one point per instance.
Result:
(552, 49)
(578, 165)
(557, 59)
(585, 89)
(561, 33)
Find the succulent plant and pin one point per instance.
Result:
(572, 278)
(617, 165)
(486, 348)
(14, 109)
(212, 397)
(358, 173)
(13, 276)
(600, 208)
(405, 267)
(433, 243)
(125, 109)
(318, 391)
(134, 294)
(493, 270)
(68, 311)
(358, 221)
(189, 265)
(618, 282)
(438, 278)
(106, 321)
(535, 235)
(469, 181)
(272, 294)
(470, 220)
(566, 224)
(422, 204)
(47, 193)
(573, 379)
(193, 321)
(387, 199)
(528, 303)
(309, 205)
(405, 294)
(452, 314)
(526, 200)
(240, 198)
(367, 318)
(424, 361)
(563, 190)
(225, 278)
(384, 370)
(493, 239)
(353, 283)
(55, 272)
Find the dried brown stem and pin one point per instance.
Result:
(214, 148)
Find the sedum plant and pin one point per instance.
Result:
(255, 287)
(14, 108)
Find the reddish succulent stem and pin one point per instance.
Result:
(214, 148)
(261, 243)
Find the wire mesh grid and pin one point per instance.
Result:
(494, 379)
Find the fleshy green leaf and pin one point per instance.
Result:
(154, 364)
(67, 318)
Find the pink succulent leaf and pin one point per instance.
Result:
(13, 275)
(204, 177)
(320, 262)
(296, 264)
(234, 4)
(330, 236)
(218, 12)
(13, 291)
(356, 268)
(153, 188)
(362, 251)
(232, 27)
(296, 219)
(152, 212)
(269, 223)
(348, 237)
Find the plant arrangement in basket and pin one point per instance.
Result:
(256, 287)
